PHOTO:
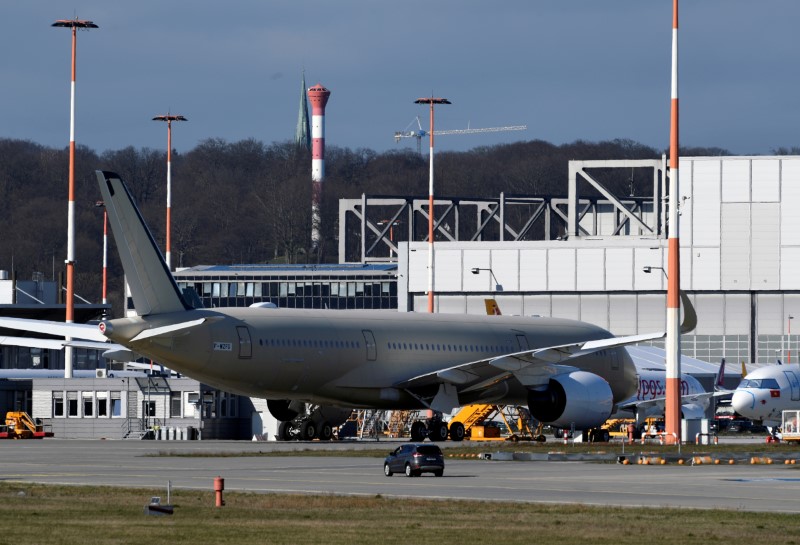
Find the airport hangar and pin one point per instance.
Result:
(740, 249)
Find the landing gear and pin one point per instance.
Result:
(418, 432)
(314, 422)
(308, 431)
(286, 431)
(437, 431)
(325, 432)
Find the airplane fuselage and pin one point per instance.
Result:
(356, 358)
(766, 392)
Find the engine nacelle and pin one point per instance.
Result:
(579, 398)
(693, 411)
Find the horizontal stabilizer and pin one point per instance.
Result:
(31, 342)
(57, 329)
(163, 330)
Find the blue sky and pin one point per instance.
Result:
(569, 70)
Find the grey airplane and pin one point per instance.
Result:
(568, 373)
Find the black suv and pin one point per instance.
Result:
(413, 460)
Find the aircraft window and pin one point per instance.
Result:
(405, 347)
(763, 383)
(358, 344)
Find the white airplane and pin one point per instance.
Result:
(569, 373)
(766, 392)
(651, 395)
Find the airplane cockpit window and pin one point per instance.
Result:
(760, 383)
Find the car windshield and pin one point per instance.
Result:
(760, 383)
(429, 450)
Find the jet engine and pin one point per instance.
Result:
(580, 398)
(693, 411)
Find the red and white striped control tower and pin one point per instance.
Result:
(318, 96)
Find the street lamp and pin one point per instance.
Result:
(477, 270)
(169, 119)
(74, 24)
(431, 101)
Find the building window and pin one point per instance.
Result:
(116, 404)
(176, 404)
(88, 405)
(102, 407)
(58, 404)
(72, 404)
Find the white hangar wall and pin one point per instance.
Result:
(740, 265)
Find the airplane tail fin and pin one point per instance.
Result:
(720, 375)
(492, 308)
(152, 286)
(744, 370)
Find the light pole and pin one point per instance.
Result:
(74, 24)
(672, 413)
(789, 341)
(497, 285)
(431, 101)
(169, 119)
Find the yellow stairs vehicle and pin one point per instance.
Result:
(473, 416)
(19, 425)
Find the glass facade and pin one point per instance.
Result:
(333, 287)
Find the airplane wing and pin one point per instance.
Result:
(532, 367)
(701, 398)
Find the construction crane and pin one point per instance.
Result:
(419, 132)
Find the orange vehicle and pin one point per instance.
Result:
(19, 425)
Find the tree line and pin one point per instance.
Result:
(249, 202)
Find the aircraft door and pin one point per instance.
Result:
(372, 349)
(522, 341)
(245, 346)
(794, 384)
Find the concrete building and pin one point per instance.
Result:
(740, 259)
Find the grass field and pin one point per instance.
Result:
(43, 515)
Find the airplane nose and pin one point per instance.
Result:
(743, 402)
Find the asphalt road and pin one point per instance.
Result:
(131, 463)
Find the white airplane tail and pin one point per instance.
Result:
(152, 286)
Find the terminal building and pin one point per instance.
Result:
(589, 255)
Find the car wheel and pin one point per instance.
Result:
(409, 471)
(438, 473)
(457, 431)
(387, 470)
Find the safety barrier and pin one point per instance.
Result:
(708, 436)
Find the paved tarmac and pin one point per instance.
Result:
(137, 464)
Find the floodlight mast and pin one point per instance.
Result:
(672, 413)
(169, 119)
(431, 101)
(74, 24)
